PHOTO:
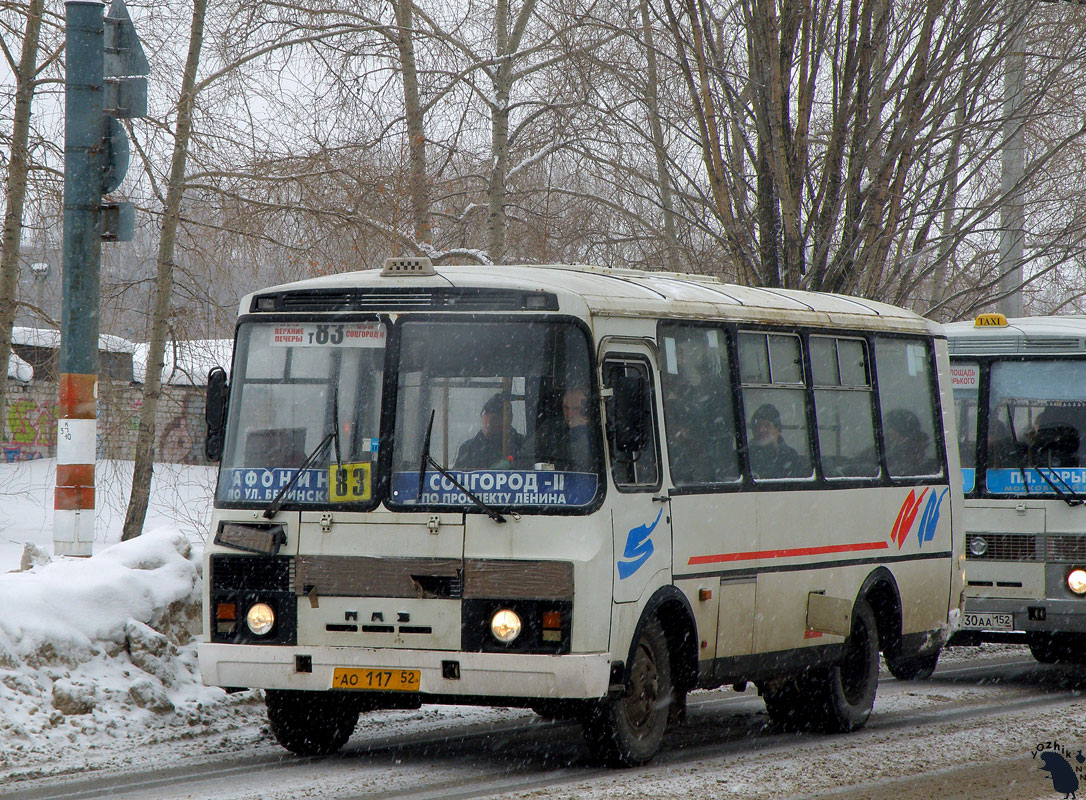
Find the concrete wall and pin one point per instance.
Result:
(30, 431)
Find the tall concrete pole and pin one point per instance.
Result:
(1012, 218)
(84, 160)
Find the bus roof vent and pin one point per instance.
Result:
(408, 266)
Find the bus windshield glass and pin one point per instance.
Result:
(505, 407)
(299, 388)
(1036, 428)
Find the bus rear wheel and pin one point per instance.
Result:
(913, 668)
(844, 694)
(629, 730)
(310, 723)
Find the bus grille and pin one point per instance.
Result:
(1065, 548)
(1005, 547)
(250, 573)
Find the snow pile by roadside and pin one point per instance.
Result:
(103, 647)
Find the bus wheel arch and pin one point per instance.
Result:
(881, 592)
(672, 609)
(661, 666)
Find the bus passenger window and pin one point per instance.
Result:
(771, 368)
(698, 414)
(908, 411)
(843, 408)
(637, 469)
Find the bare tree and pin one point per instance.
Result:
(152, 390)
(26, 74)
(865, 135)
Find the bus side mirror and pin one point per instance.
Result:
(630, 413)
(218, 391)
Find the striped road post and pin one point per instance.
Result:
(84, 160)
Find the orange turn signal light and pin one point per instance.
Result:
(226, 611)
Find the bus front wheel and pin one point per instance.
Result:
(1057, 648)
(310, 723)
(628, 731)
(844, 694)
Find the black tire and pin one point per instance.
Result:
(629, 730)
(786, 705)
(311, 723)
(843, 695)
(1057, 648)
(913, 668)
(557, 709)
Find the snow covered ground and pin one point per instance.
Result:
(98, 654)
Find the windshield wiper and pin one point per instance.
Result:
(273, 507)
(425, 460)
(330, 437)
(1067, 494)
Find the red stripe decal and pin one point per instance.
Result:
(721, 558)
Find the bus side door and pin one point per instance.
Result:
(641, 518)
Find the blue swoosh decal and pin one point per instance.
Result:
(638, 548)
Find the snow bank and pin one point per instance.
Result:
(101, 645)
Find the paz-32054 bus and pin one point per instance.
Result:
(581, 490)
(1020, 389)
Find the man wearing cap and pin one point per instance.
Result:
(770, 455)
(486, 449)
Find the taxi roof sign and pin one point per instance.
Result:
(993, 320)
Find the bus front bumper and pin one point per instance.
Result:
(497, 675)
(1034, 614)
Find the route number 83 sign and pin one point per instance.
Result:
(349, 483)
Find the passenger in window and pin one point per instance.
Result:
(578, 436)
(497, 445)
(907, 451)
(1055, 441)
(770, 455)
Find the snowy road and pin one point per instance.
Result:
(969, 732)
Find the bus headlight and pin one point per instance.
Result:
(1076, 581)
(260, 619)
(978, 545)
(505, 625)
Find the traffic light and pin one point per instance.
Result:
(124, 96)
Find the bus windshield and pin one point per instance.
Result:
(300, 387)
(505, 407)
(1036, 427)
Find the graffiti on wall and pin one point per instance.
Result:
(182, 438)
(33, 428)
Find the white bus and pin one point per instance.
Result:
(581, 490)
(1020, 393)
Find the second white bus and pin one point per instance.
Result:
(1020, 391)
